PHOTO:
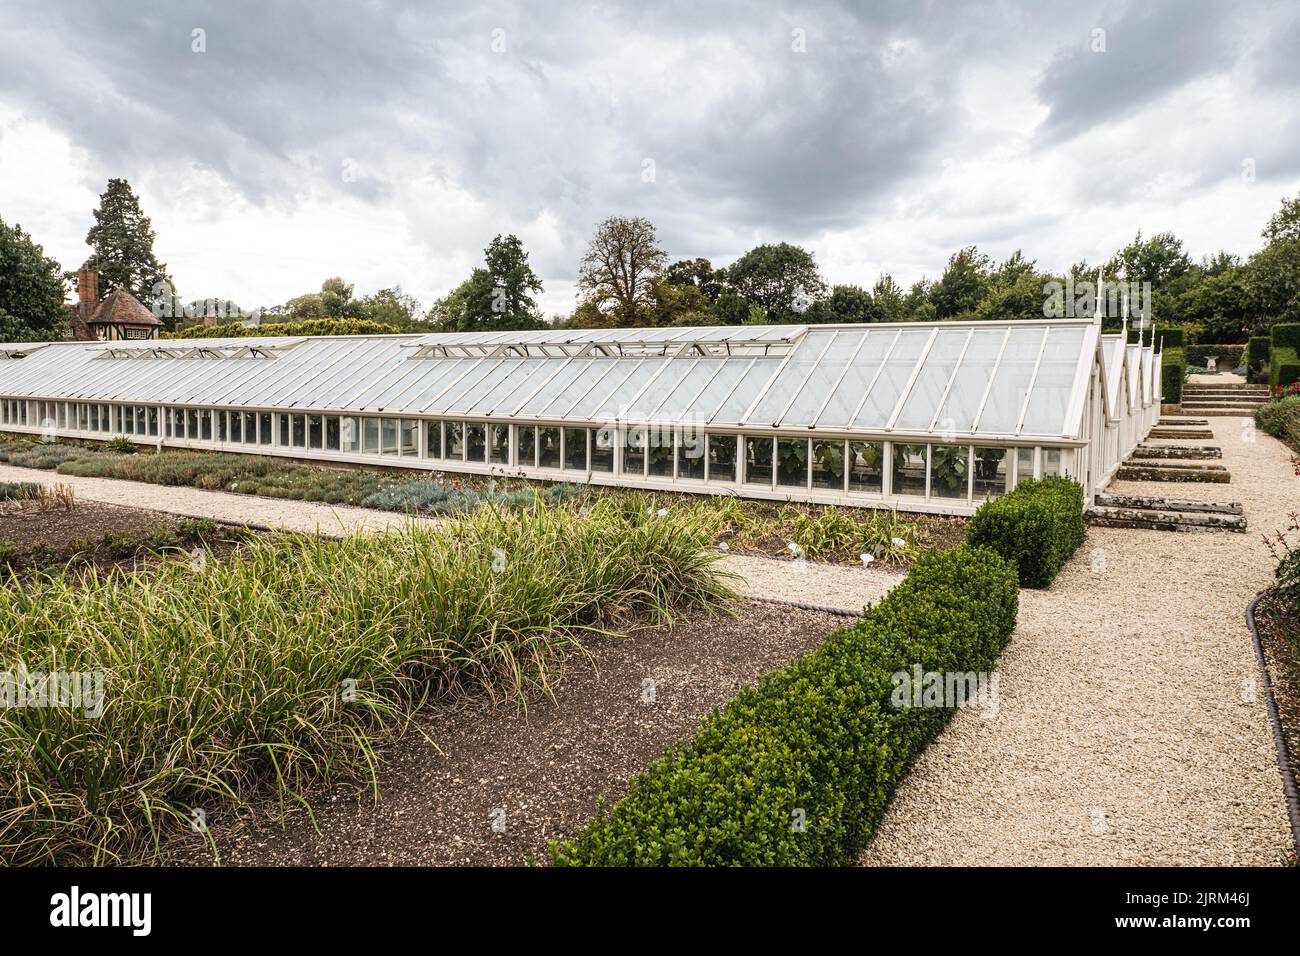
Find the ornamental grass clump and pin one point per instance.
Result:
(254, 674)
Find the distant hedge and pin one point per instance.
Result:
(1229, 356)
(1284, 354)
(1172, 336)
(799, 769)
(308, 327)
(1172, 368)
(1037, 527)
(1257, 359)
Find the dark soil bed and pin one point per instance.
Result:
(1279, 634)
(492, 786)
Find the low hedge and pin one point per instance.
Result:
(1173, 336)
(799, 769)
(1173, 368)
(1281, 419)
(1257, 356)
(305, 327)
(1284, 354)
(1036, 527)
(1231, 356)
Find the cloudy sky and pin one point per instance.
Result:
(276, 144)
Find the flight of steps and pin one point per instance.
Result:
(1225, 399)
(1165, 514)
(1174, 463)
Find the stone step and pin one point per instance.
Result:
(1137, 470)
(1178, 451)
(1153, 520)
(1182, 421)
(1145, 503)
(1140, 461)
(1227, 412)
(1181, 433)
(1227, 389)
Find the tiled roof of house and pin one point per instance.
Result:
(122, 308)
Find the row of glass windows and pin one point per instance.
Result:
(943, 471)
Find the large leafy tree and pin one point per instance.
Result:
(31, 288)
(497, 296)
(392, 307)
(1272, 275)
(620, 269)
(845, 304)
(122, 242)
(698, 273)
(781, 278)
(963, 284)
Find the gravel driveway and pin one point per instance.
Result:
(1129, 730)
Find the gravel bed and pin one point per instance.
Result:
(286, 514)
(490, 785)
(841, 586)
(1130, 728)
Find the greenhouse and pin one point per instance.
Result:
(915, 416)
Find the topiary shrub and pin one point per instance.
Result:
(1284, 354)
(798, 770)
(1173, 372)
(1037, 527)
(1257, 356)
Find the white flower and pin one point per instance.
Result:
(899, 542)
(866, 559)
(662, 512)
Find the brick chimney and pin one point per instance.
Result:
(87, 293)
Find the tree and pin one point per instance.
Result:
(890, 299)
(497, 296)
(1015, 290)
(31, 288)
(1272, 275)
(681, 304)
(699, 273)
(963, 284)
(782, 279)
(392, 307)
(122, 243)
(845, 304)
(618, 272)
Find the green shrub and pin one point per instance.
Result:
(1284, 366)
(120, 444)
(1281, 419)
(1037, 527)
(306, 327)
(1286, 335)
(1173, 372)
(823, 742)
(1257, 358)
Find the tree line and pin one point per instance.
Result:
(626, 278)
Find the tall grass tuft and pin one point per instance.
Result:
(254, 675)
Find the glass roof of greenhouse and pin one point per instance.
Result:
(981, 378)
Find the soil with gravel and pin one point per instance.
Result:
(28, 526)
(494, 786)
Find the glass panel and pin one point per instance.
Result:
(1052, 463)
(371, 429)
(505, 395)
(666, 382)
(299, 431)
(499, 447)
(548, 448)
(433, 439)
(803, 361)
(526, 452)
(691, 383)
(315, 429)
(192, 424)
(264, 428)
(792, 462)
(690, 454)
(475, 442)
(866, 466)
(615, 402)
(828, 465)
(236, 427)
(990, 473)
(221, 419)
(634, 451)
(143, 417)
(970, 382)
(575, 449)
(594, 372)
(893, 376)
(410, 438)
(153, 422)
(909, 470)
(949, 471)
(602, 449)
(469, 397)
(350, 430)
(332, 433)
(722, 457)
(128, 424)
(607, 385)
(813, 394)
(552, 388)
(388, 436)
(706, 405)
(758, 461)
(923, 400)
(734, 405)
(1024, 464)
(659, 449)
(205, 424)
(249, 427)
(1011, 383)
(1046, 412)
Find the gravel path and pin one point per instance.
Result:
(304, 516)
(1129, 730)
(807, 582)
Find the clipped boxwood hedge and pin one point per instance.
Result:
(1257, 356)
(1172, 373)
(1036, 527)
(799, 769)
(1284, 354)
